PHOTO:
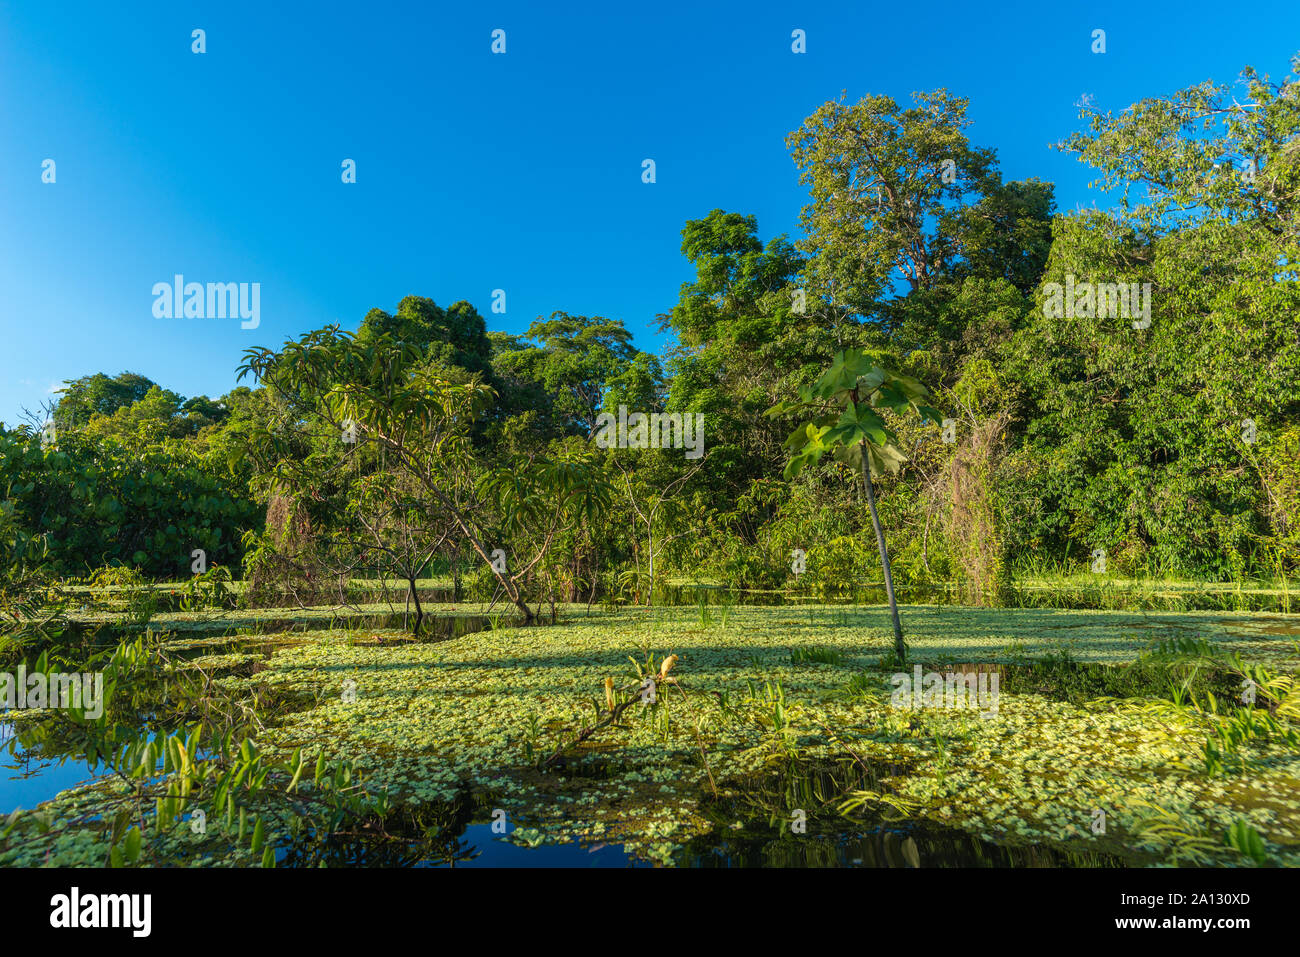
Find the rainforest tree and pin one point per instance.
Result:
(848, 404)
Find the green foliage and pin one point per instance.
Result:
(1061, 678)
(1181, 840)
(816, 655)
(882, 208)
(208, 591)
(454, 338)
(571, 366)
(1242, 837)
(31, 600)
(415, 485)
(82, 399)
(125, 588)
(96, 503)
(851, 398)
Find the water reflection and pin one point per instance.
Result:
(28, 777)
(906, 845)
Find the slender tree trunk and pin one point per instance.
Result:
(513, 593)
(508, 585)
(650, 589)
(414, 595)
(510, 588)
(900, 650)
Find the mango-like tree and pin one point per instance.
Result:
(845, 405)
(340, 396)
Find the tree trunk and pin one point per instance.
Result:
(651, 587)
(513, 593)
(414, 595)
(900, 650)
(507, 584)
(503, 578)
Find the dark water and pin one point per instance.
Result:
(491, 850)
(27, 779)
(434, 628)
(894, 845)
(898, 845)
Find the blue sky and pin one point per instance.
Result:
(477, 171)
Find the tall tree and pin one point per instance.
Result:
(573, 359)
(847, 403)
(453, 337)
(98, 394)
(341, 397)
(1199, 154)
(746, 331)
(889, 188)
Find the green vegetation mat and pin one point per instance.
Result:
(432, 724)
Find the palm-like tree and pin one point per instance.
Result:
(846, 421)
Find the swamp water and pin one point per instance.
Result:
(29, 777)
(32, 770)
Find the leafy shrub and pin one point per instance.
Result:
(126, 589)
(98, 503)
